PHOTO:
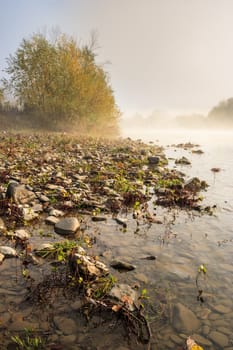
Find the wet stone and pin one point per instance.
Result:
(67, 226)
(19, 193)
(184, 319)
(66, 325)
(176, 339)
(221, 309)
(219, 338)
(122, 265)
(201, 340)
(119, 291)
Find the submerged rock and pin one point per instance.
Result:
(184, 319)
(122, 265)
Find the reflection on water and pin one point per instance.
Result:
(204, 240)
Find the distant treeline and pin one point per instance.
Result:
(220, 116)
(58, 85)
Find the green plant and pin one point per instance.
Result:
(202, 270)
(28, 341)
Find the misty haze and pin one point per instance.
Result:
(116, 194)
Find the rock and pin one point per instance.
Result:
(122, 293)
(37, 208)
(19, 194)
(182, 161)
(42, 248)
(29, 214)
(2, 226)
(22, 234)
(1, 258)
(66, 325)
(221, 309)
(176, 339)
(153, 160)
(122, 265)
(201, 340)
(121, 221)
(52, 220)
(43, 198)
(56, 212)
(67, 226)
(219, 339)
(87, 264)
(98, 218)
(8, 252)
(184, 319)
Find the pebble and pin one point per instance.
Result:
(22, 234)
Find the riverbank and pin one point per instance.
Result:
(57, 189)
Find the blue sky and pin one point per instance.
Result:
(168, 55)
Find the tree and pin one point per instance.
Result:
(222, 114)
(59, 82)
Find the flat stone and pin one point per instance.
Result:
(219, 339)
(122, 265)
(98, 218)
(221, 309)
(67, 226)
(66, 325)
(184, 319)
(52, 220)
(176, 339)
(201, 340)
(56, 212)
(8, 252)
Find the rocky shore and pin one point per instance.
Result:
(53, 188)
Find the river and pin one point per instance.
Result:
(191, 242)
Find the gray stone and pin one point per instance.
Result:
(67, 226)
(8, 252)
(182, 161)
(184, 319)
(219, 339)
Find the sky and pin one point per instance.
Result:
(174, 56)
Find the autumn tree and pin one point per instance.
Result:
(60, 82)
